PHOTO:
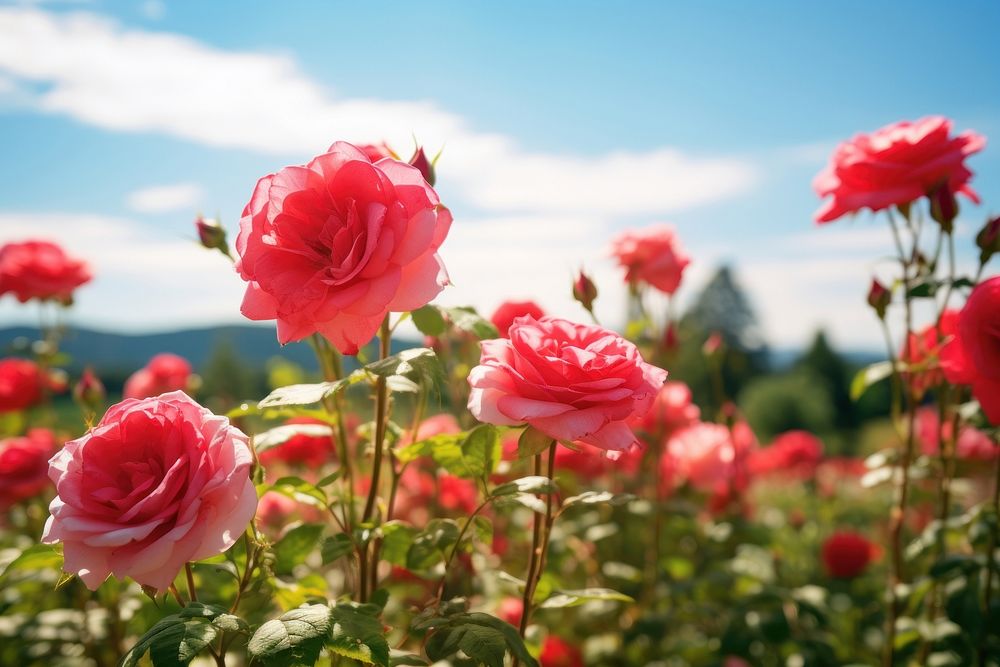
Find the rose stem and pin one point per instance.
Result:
(381, 410)
(539, 542)
(192, 593)
(990, 558)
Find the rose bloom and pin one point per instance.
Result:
(508, 311)
(923, 348)
(510, 610)
(274, 512)
(792, 455)
(303, 449)
(24, 466)
(40, 270)
(652, 255)
(558, 652)
(973, 356)
(332, 247)
(164, 372)
(157, 483)
(569, 381)
(22, 384)
(711, 458)
(895, 165)
(972, 444)
(672, 409)
(846, 554)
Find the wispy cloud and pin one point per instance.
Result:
(164, 198)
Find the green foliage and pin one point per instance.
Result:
(177, 639)
(483, 638)
(780, 403)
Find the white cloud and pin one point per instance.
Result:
(130, 80)
(164, 198)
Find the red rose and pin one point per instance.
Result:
(652, 255)
(40, 270)
(895, 165)
(972, 444)
(569, 381)
(24, 466)
(22, 384)
(508, 311)
(304, 449)
(846, 554)
(164, 372)
(792, 455)
(973, 356)
(332, 247)
(558, 652)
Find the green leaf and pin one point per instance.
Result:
(480, 451)
(358, 635)
(419, 364)
(484, 529)
(295, 545)
(177, 639)
(953, 564)
(36, 557)
(300, 490)
(430, 545)
(532, 442)
(564, 599)
(301, 394)
(294, 638)
(465, 318)
(531, 501)
(482, 637)
(531, 484)
(868, 376)
(599, 497)
(429, 320)
(282, 434)
(397, 537)
(399, 658)
(336, 547)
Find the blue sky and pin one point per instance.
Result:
(562, 124)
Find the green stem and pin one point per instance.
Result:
(539, 543)
(991, 564)
(454, 548)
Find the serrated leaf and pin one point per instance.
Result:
(868, 376)
(295, 638)
(177, 639)
(358, 635)
(282, 434)
(397, 536)
(531, 484)
(430, 545)
(532, 442)
(564, 599)
(599, 497)
(465, 318)
(399, 658)
(300, 490)
(336, 547)
(428, 320)
(301, 394)
(295, 545)
(482, 637)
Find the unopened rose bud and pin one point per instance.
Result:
(671, 341)
(879, 298)
(426, 166)
(713, 345)
(988, 239)
(584, 290)
(211, 234)
(944, 207)
(89, 392)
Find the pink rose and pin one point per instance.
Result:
(672, 409)
(440, 424)
(508, 311)
(792, 455)
(973, 356)
(334, 246)
(896, 165)
(24, 466)
(569, 381)
(710, 457)
(972, 444)
(922, 349)
(652, 255)
(157, 483)
(164, 372)
(40, 270)
(302, 449)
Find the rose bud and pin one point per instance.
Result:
(671, 341)
(426, 167)
(212, 235)
(89, 392)
(713, 345)
(988, 239)
(879, 298)
(944, 207)
(585, 291)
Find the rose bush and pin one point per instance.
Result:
(159, 482)
(333, 246)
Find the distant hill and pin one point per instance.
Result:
(116, 353)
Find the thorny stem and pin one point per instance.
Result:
(539, 542)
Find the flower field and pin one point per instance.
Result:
(446, 486)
